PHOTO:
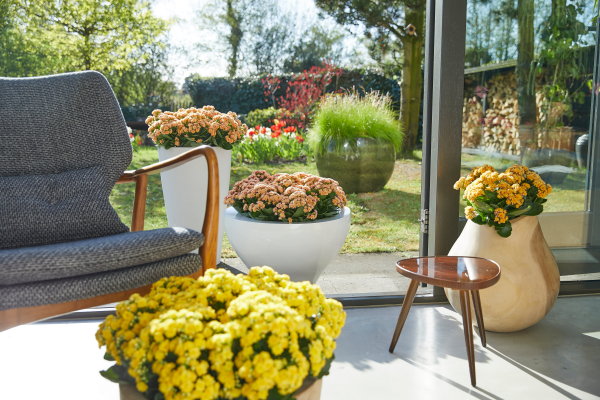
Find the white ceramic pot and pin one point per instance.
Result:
(529, 277)
(300, 250)
(184, 189)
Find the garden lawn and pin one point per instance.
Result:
(385, 221)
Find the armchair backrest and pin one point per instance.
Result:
(63, 145)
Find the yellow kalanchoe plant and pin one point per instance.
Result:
(495, 198)
(223, 336)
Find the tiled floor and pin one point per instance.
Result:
(557, 359)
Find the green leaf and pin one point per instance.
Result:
(483, 207)
(479, 219)
(491, 196)
(504, 230)
(536, 209)
(520, 211)
(298, 213)
(108, 357)
(112, 374)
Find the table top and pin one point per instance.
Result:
(454, 272)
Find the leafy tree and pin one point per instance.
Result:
(316, 45)
(525, 83)
(144, 81)
(393, 26)
(23, 51)
(561, 35)
(120, 38)
(92, 34)
(261, 37)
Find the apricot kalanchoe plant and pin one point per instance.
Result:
(495, 198)
(195, 126)
(297, 197)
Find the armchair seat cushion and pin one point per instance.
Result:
(101, 283)
(96, 255)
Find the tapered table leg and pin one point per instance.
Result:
(479, 316)
(408, 300)
(465, 307)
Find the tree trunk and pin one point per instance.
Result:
(234, 20)
(525, 78)
(412, 77)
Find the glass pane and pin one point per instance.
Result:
(528, 100)
(271, 62)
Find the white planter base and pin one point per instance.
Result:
(300, 250)
(184, 189)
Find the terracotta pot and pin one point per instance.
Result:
(359, 165)
(312, 392)
(529, 280)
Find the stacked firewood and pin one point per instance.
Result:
(498, 129)
(472, 122)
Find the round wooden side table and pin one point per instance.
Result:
(466, 274)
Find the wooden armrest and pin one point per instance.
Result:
(210, 227)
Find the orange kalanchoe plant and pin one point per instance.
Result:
(495, 198)
(195, 126)
(297, 197)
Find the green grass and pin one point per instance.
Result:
(385, 221)
(381, 222)
(122, 195)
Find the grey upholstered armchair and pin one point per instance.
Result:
(63, 146)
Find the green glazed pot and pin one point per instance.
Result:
(359, 165)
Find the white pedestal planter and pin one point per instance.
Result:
(300, 250)
(184, 189)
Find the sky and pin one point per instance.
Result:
(185, 33)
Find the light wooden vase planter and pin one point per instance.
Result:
(529, 280)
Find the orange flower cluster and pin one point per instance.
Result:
(193, 126)
(286, 197)
(494, 198)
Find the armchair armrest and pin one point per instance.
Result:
(210, 227)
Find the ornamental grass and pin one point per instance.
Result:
(297, 197)
(188, 127)
(495, 198)
(223, 336)
(343, 117)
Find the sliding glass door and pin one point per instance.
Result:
(529, 86)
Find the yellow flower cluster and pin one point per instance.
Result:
(283, 193)
(194, 125)
(223, 335)
(511, 187)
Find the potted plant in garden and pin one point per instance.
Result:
(502, 225)
(223, 336)
(355, 139)
(184, 188)
(296, 223)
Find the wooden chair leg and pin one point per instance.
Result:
(479, 316)
(465, 307)
(408, 300)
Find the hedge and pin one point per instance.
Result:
(243, 95)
